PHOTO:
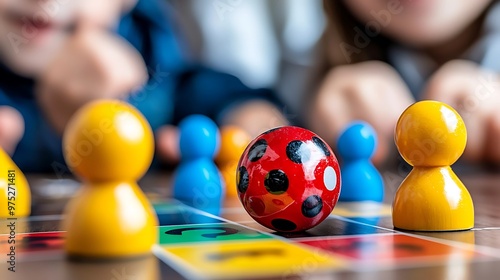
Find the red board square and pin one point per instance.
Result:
(34, 242)
(388, 248)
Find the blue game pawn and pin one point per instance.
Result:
(361, 181)
(197, 181)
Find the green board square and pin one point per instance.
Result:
(207, 233)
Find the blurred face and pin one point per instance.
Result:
(418, 23)
(32, 31)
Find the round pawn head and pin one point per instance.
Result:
(199, 137)
(430, 133)
(234, 140)
(358, 141)
(108, 140)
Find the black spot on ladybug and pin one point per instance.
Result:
(298, 152)
(312, 206)
(276, 182)
(242, 179)
(272, 130)
(257, 150)
(322, 145)
(283, 225)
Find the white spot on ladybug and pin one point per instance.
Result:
(330, 178)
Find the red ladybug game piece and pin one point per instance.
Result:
(288, 179)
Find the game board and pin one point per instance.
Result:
(356, 241)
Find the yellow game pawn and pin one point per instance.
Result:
(431, 136)
(109, 145)
(233, 142)
(16, 196)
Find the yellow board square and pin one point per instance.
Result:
(248, 259)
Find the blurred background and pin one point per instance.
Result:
(264, 43)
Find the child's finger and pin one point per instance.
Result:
(476, 136)
(11, 128)
(492, 148)
(452, 83)
(167, 143)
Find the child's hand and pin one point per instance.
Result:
(167, 144)
(92, 65)
(474, 93)
(369, 91)
(255, 117)
(11, 128)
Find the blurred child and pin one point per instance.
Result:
(382, 55)
(57, 55)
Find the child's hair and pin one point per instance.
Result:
(339, 37)
(339, 32)
(342, 31)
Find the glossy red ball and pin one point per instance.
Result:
(288, 179)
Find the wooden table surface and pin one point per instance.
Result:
(50, 196)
